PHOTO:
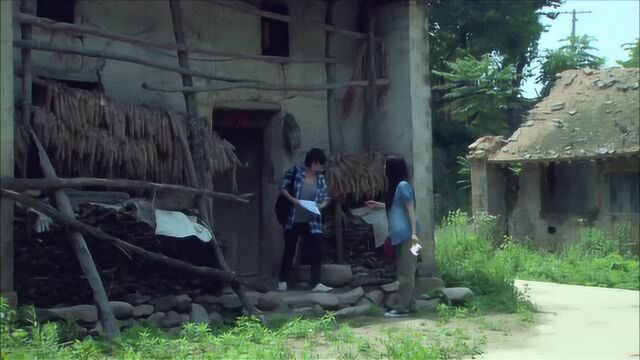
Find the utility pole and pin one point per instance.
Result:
(574, 19)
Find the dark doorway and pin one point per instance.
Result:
(239, 226)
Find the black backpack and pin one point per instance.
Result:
(283, 205)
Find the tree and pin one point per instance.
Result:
(576, 54)
(508, 27)
(480, 93)
(459, 29)
(634, 55)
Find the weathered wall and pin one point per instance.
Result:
(550, 231)
(404, 125)
(208, 25)
(6, 149)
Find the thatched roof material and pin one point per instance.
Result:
(87, 134)
(588, 114)
(356, 177)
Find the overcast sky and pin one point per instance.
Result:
(611, 22)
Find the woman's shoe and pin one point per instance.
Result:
(322, 288)
(396, 314)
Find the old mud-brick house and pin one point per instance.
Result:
(573, 163)
(219, 94)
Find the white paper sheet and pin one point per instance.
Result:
(311, 206)
(377, 218)
(415, 249)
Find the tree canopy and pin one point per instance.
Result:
(634, 55)
(575, 54)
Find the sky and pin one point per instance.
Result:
(611, 22)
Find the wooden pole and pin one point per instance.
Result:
(338, 230)
(81, 250)
(335, 143)
(78, 226)
(372, 98)
(248, 9)
(266, 87)
(27, 7)
(192, 110)
(103, 54)
(76, 183)
(56, 27)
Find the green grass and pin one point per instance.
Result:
(24, 338)
(467, 256)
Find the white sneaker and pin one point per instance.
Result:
(396, 314)
(282, 286)
(322, 288)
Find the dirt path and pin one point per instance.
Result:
(575, 322)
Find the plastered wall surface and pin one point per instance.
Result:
(528, 221)
(6, 148)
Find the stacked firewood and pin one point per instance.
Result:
(359, 247)
(47, 272)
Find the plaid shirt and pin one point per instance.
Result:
(321, 195)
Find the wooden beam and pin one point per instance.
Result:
(80, 248)
(372, 93)
(22, 185)
(265, 87)
(55, 27)
(104, 54)
(335, 143)
(286, 18)
(200, 170)
(78, 226)
(28, 7)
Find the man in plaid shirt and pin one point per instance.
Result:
(309, 184)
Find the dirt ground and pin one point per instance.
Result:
(575, 322)
(571, 322)
(371, 333)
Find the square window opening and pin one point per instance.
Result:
(275, 33)
(57, 10)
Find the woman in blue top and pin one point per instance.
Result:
(403, 230)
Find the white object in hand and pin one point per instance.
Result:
(311, 206)
(415, 249)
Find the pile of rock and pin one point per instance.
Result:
(170, 312)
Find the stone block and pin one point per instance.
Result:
(165, 303)
(142, 310)
(199, 314)
(350, 297)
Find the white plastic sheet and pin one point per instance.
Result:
(178, 225)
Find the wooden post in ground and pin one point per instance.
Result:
(197, 171)
(27, 7)
(335, 142)
(81, 250)
(338, 230)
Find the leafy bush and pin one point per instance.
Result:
(466, 259)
